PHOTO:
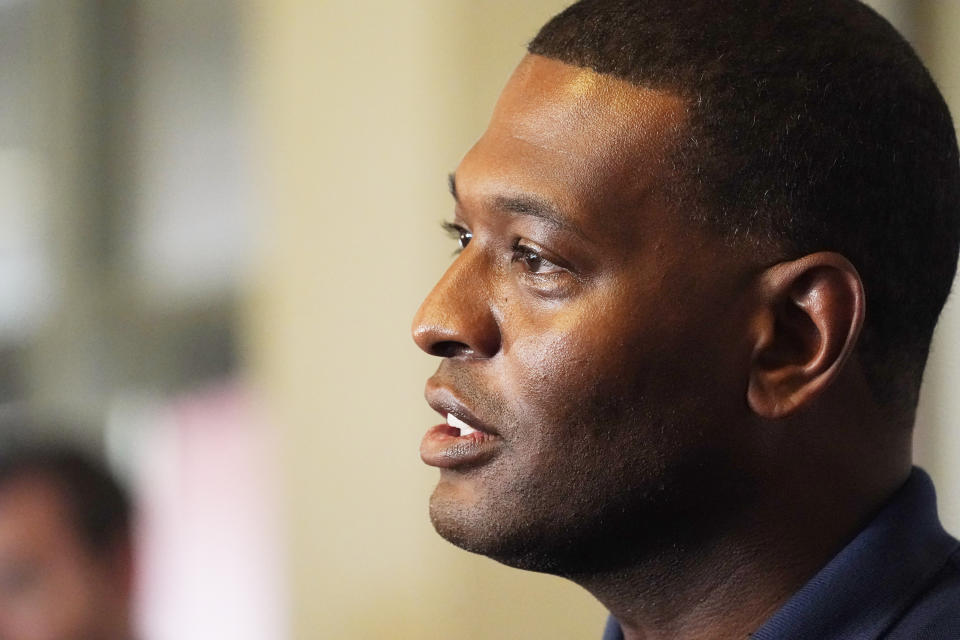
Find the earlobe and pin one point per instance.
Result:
(808, 319)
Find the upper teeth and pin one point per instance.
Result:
(454, 421)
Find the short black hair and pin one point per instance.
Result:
(98, 506)
(813, 125)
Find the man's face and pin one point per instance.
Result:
(51, 586)
(587, 330)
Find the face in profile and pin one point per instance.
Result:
(52, 586)
(585, 333)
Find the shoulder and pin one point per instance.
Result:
(935, 614)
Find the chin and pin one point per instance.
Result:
(489, 537)
(540, 541)
(565, 531)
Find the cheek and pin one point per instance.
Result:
(545, 365)
(560, 373)
(603, 364)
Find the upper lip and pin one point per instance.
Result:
(444, 400)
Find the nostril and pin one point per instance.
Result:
(449, 349)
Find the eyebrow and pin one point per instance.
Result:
(452, 185)
(525, 205)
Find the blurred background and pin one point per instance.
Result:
(217, 219)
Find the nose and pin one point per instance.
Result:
(457, 318)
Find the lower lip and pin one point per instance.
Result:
(443, 447)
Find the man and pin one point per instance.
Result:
(65, 548)
(703, 246)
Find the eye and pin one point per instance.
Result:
(458, 233)
(533, 261)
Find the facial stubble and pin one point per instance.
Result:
(620, 484)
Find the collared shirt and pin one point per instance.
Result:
(899, 579)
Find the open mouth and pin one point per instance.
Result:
(463, 429)
(464, 440)
(456, 444)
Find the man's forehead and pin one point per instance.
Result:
(546, 100)
(584, 141)
(32, 488)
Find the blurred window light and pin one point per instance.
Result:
(193, 193)
(26, 291)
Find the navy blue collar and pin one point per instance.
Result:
(872, 582)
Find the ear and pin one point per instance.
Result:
(810, 316)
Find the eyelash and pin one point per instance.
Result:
(528, 256)
(458, 233)
(521, 252)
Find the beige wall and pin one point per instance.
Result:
(937, 436)
(363, 108)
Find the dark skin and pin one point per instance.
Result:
(53, 586)
(674, 420)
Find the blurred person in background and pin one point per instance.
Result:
(66, 561)
(703, 246)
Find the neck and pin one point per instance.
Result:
(725, 590)
(729, 585)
